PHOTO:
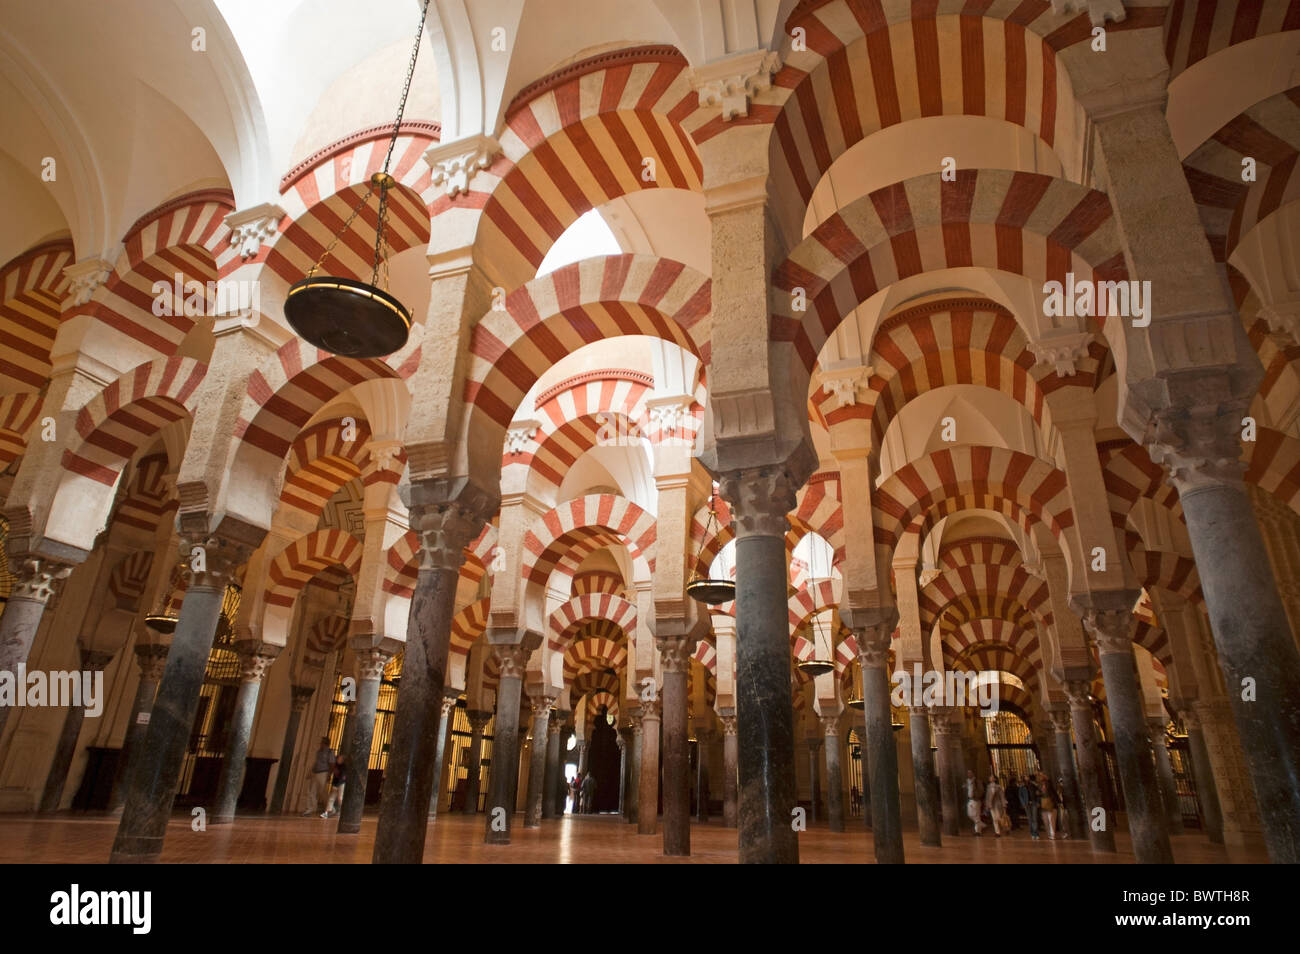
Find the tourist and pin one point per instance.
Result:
(995, 800)
(1029, 804)
(1062, 816)
(588, 793)
(973, 802)
(1047, 805)
(338, 778)
(318, 783)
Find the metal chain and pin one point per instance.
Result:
(343, 231)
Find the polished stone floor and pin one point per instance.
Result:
(456, 839)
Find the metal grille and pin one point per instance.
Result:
(459, 744)
(210, 731)
(1010, 746)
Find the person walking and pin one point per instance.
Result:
(974, 802)
(995, 800)
(318, 783)
(1062, 816)
(338, 779)
(1029, 804)
(1047, 805)
(588, 792)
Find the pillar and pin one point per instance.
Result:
(1207, 792)
(814, 776)
(155, 769)
(299, 696)
(631, 808)
(541, 706)
(371, 661)
(504, 783)
(35, 581)
(66, 747)
(255, 658)
(928, 801)
(648, 794)
(730, 808)
(623, 763)
(946, 737)
(448, 717)
(478, 720)
(151, 659)
(702, 775)
(882, 756)
(1099, 825)
(553, 776)
(1060, 716)
(834, 774)
(1165, 775)
(675, 660)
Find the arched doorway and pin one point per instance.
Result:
(603, 761)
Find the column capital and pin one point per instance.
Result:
(1060, 716)
(371, 661)
(830, 726)
(541, 705)
(299, 696)
(255, 658)
(250, 227)
(674, 653)
(553, 727)
(651, 708)
(760, 498)
(873, 630)
(84, 277)
(93, 660)
(445, 530)
(210, 558)
(1200, 443)
(1107, 616)
(513, 658)
(1079, 692)
(942, 722)
(1191, 718)
(37, 578)
(478, 718)
(152, 660)
(731, 83)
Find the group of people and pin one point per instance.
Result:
(1036, 797)
(582, 792)
(329, 774)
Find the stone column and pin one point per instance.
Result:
(1091, 770)
(675, 661)
(255, 658)
(1165, 775)
(299, 697)
(834, 776)
(648, 794)
(1207, 793)
(502, 796)
(1110, 625)
(946, 737)
(35, 581)
(152, 659)
(155, 770)
(449, 698)
(582, 757)
(1060, 716)
(553, 775)
(66, 747)
(541, 706)
(928, 801)
(478, 720)
(371, 661)
(882, 756)
(444, 531)
(730, 810)
(1198, 438)
(760, 499)
(702, 776)
(632, 804)
(621, 742)
(814, 776)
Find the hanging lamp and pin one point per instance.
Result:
(702, 589)
(160, 620)
(344, 316)
(821, 662)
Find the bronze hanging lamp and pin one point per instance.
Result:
(702, 589)
(344, 316)
(821, 663)
(160, 620)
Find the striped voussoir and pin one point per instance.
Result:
(1006, 635)
(579, 526)
(706, 544)
(1019, 222)
(997, 551)
(1280, 356)
(599, 581)
(1274, 465)
(1148, 633)
(150, 498)
(32, 289)
(1197, 29)
(321, 460)
(989, 644)
(802, 606)
(402, 561)
(567, 619)
(468, 625)
(817, 510)
(129, 577)
(118, 421)
(592, 300)
(602, 697)
(18, 412)
(1129, 474)
(327, 635)
(973, 606)
(305, 558)
(575, 141)
(979, 582)
(1166, 570)
(1269, 133)
(593, 654)
(706, 655)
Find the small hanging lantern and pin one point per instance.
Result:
(346, 317)
(821, 662)
(702, 589)
(160, 620)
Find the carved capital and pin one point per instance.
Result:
(674, 653)
(553, 727)
(1062, 350)
(928, 575)
(36, 578)
(84, 277)
(513, 660)
(519, 435)
(152, 661)
(873, 644)
(454, 164)
(94, 660)
(1111, 629)
(445, 530)
(1099, 11)
(830, 726)
(846, 383)
(1191, 718)
(211, 559)
(370, 663)
(759, 501)
(1060, 716)
(1283, 319)
(1200, 444)
(541, 705)
(249, 228)
(1079, 692)
(384, 457)
(255, 658)
(943, 724)
(478, 719)
(731, 83)
(299, 696)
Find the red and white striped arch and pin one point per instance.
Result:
(996, 551)
(1129, 474)
(468, 625)
(975, 632)
(569, 617)
(32, 288)
(599, 581)
(402, 562)
(18, 412)
(1197, 29)
(706, 656)
(990, 654)
(970, 582)
(129, 578)
(566, 533)
(817, 510)
(321, 460)
(150, 499)
(304, 558)
(327, 635)
(1166, 570)
(1275, 465)
(1280, 357)
(1148, 633)
(1019, 222)
(593, 654)
(971, 606)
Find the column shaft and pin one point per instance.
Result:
(834, 775)
(301, 695)
(882, 763)
(730, 782)
(504, 781)
(1165, 775)
(152, 660)
(474, 762)
(1065, 763)
(676, 764)
(1090, 771)
(553, 775)
(363, 737)
(928, 802)
(440, 759)
(648, 796)
(537, 762)
(1207, 792)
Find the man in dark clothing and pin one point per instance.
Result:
(1029, 796)
(318, 785)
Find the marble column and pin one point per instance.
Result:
(882, 756)
(448, 717)
(928, 801)
(1060, 716)
(621, 742)
(299, 697)
(478, 720)
(504, 783)
(371, 661)
(648, 784)
(675, 661)
(945, 736)
(155, 768)
(1165, 775)
(1091, 769)
(35, 581)
(632, 805)
(444, 530)
(255, 658)
(760, 499)
(552, 776)
(66, 747)
(1111, 626)
(702, 776)
(541, 708)
(834, 775)
(814, 777)
(152, 659)
(1207, 792)
(582, 757)
(730, 810)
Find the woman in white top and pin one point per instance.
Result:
(995, 800)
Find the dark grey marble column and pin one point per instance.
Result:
(1060, 716)
(882, 756)
(35, 582)
(66, 747)
(1207, 791)
(255, 658)
(444, 532)
(1165, 775)
(945, 739)
(478, 720)
(541, 706)
(675, 660)
(1109, 620)
(299, 697)
(152, 659)
(371, 660)
(702, 793)
(633, 766)
(648, 796)
(447, 717)
(553, 776)
(155, 770)
(730, 809)
(814, 777)
(562, 783)
(1088, 754)
(505, 745)
(928, 803)
(834, 775)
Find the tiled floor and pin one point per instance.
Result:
(456, 839)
